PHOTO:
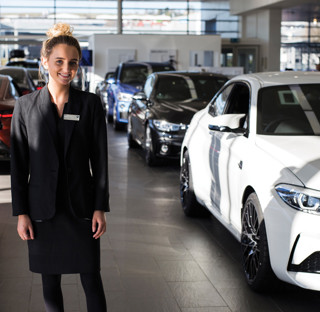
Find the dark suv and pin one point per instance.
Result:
(129, 78)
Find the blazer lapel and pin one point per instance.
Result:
(45, 108)
(73, 108)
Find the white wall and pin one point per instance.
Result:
(182, 46)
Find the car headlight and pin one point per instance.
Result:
(300, 198)
(163, 125)
(126, 97)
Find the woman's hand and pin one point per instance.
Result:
(24, 228)
(99, 223)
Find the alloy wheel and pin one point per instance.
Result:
(250, 241)
(184, 181)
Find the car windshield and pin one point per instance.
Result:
(289, 110)
(137, 74)
(134, 74)
(18, 75)
(184, 88)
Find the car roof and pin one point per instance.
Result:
(267, 79)
(189, 73)
(23, 63)
(146, 63)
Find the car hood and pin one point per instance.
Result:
(297, 153)
(176, 112)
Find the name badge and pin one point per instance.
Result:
(71, 117)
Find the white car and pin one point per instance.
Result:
(252, 158)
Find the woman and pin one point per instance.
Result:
(59, 175)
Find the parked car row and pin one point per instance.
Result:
(17, 78)
(248, 156)
(9, 93)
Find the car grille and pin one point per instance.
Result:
(309, 265)
(123, 115)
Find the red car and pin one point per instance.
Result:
(9, 93)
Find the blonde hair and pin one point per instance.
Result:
(59, 34)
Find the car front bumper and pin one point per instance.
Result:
(122, 111)
(294, 244)
(167, 145)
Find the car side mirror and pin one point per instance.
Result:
(229, 123)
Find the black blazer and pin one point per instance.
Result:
(34, 158)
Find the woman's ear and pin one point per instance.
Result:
(44, 62)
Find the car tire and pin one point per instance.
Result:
(109, 117)
(116, 123)
(190, 205)
(254, 247)
(150, 158)
(131, 142)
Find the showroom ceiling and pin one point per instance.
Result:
(305, 12)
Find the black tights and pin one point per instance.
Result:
(92, 286)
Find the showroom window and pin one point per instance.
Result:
(300, 38)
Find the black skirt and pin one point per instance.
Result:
(65, 243)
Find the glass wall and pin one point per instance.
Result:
(300, 45)
(19, 17)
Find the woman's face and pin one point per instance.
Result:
(62, 64)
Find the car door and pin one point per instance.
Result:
(200, 148)
(227, 156)
(141, 109)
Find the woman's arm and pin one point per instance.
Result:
(19, 161)
(99, 158)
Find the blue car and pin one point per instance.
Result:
(129, 78)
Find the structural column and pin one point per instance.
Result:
(119, 21)
(265, 25)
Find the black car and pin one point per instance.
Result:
(159, 116)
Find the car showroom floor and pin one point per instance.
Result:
(153, 257)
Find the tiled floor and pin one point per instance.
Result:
(153, 258)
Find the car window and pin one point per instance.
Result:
(239, 100)
(289, 110)
(219, 103)
(184, 87)
(13, 90)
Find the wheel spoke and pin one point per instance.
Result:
(184, 180)
(250, 241)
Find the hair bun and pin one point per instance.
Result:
(60, 29)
